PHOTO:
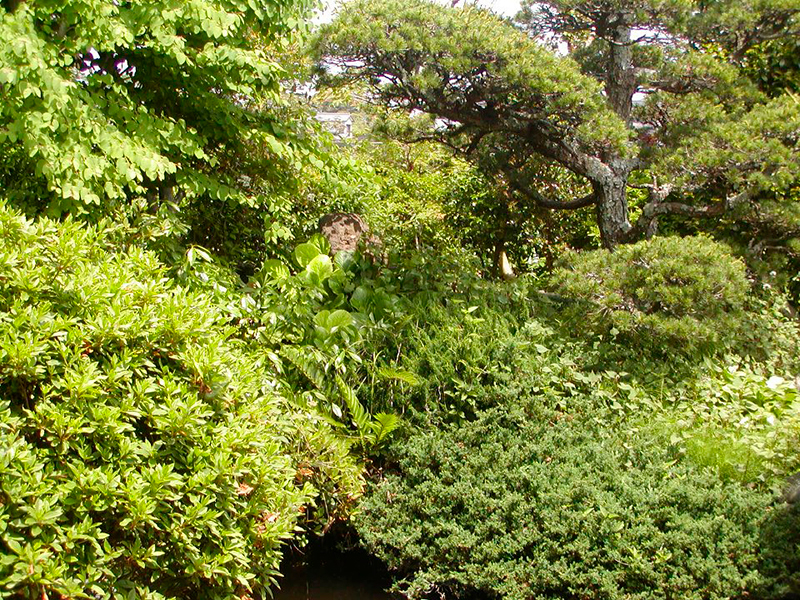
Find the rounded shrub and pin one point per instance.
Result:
(672, 293)
(143, 451)
(524, 504)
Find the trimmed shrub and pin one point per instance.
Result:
(144, 452)
(668, 294)
(534, 503)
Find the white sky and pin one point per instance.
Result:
(503, 7)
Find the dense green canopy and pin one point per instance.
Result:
(628, 93)
(107, 99)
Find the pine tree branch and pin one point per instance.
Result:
(549, 203)
(647, 222)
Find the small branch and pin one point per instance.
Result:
(562, 299)
(680, 86)
(647, 222)
(775, 31)
(686, 210)
(732, 202)
(545, 202)
(473, 145)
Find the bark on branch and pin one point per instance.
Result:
(546, 202)
(647, 222)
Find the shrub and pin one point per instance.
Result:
(144, 451)
(538, 503)
(666, 294)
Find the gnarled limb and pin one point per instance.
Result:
(546, 202)
(647, 222)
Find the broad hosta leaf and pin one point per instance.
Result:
(321, 266)
(305, 253)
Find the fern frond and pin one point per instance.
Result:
(357, 411)
(399, 375)
(383, 424)
(307, 366)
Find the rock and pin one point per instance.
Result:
(791, 493)
(346, 231)
(342, 230)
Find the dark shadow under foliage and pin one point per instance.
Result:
(779, 545)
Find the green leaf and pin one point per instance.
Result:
(321, 242)
(360, 298)
(357, 411)
(305, 253)
(399, 375)
(383, 424)
(305, 364)
(321, 266)
(339, 319)
(276, 269)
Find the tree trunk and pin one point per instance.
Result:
(611, 190)
(621, 76)
(502, 266)
(612, 210)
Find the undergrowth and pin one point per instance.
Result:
(540, 464)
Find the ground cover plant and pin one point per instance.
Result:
(534, 466)
(528, 501)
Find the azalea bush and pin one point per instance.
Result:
(145, 448)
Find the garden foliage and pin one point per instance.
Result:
(144, 449)
(742, 424)
(105, 100)
(533, 467)
(186, 390)
(532, 501)
(669, 294)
